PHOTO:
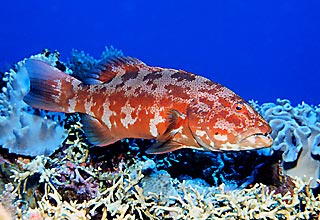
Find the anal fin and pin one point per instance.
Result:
(96, 132)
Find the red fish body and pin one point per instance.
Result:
(125, 98)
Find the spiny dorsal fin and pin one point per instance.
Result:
(107, 69)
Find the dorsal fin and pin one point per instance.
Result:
(107, 69)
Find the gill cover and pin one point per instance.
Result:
(197, 115)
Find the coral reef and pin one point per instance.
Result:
(134, 192)
(296, 133)
(80, 181)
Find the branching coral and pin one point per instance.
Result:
(127, 194)
(77, 149)
(36, 166)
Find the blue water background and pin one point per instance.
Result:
(262, 50)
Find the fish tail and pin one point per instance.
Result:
(50, 88)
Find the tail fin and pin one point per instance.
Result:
(50, 88)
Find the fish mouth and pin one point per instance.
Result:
(255, 141)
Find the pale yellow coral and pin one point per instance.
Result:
(126, 198)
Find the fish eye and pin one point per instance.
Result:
(239, 107)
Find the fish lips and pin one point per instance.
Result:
(254, 139)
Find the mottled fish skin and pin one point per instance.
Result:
(125, 98)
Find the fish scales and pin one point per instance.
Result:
(164, 89)
(125, 98)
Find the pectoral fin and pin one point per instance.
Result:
(96, 132)
(165, 141)
(175, 119)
